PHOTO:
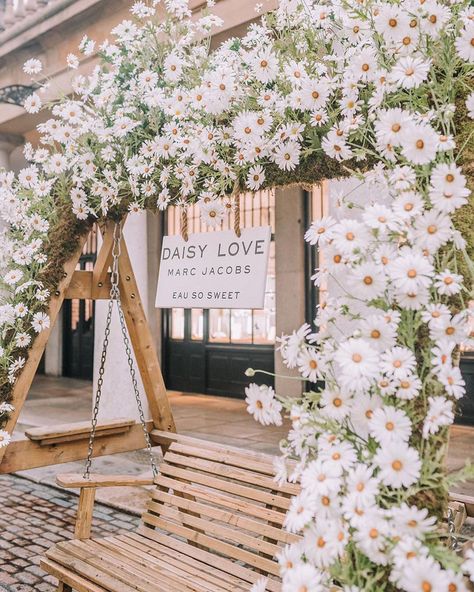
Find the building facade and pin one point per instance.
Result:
(203, 351)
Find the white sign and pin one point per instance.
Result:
(214, 270)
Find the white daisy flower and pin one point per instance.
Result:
(32, 66)
(448, 283)
(410, 72)
(389, 425)
(287, 156)
(440, 413)
(33, 103)
(262, 405)
(40, 322)
(398, 362)
(465, 43)
(470, 105)
(255, 177)
(5, 438)
(420, 144)
(303, 577)
(399, 465)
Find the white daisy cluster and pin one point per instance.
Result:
(24, 211)
(313, 90)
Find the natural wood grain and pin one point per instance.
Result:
(78, 583)
(144, 346)
(81, 287)
(85, 511)
(73, 480)
(68, 432)
(24, 454)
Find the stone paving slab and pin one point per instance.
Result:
(32, 518)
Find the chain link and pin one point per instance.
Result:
(115, 297)
(453, 539)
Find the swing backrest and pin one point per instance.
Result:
(224, 506)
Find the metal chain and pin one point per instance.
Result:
(115, 297)
(454, 542)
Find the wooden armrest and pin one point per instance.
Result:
(73, 480)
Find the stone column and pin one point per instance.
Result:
(8, 143)
(290, 276)
(117, 394)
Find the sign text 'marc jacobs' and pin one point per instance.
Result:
(214, 270)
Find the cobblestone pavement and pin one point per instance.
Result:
(32, 518)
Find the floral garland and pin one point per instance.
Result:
(381, 91)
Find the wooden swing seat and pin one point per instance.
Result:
(213, 522)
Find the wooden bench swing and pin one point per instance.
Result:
(214, 518)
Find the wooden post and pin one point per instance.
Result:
(85, 512)
(143, 345)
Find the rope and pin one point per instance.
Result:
(237, 215)
(184, 223)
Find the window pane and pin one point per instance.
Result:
(177, 323)
(264, 322)
(219, 326)
(197, 324)
(241, 326)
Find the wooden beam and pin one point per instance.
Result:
(81, 287)
(24, 454)
(24, 380)
(80, 430)
(143, 343)
(74, 480)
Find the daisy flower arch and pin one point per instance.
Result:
(380, 91)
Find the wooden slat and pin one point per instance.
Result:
(235, 458)
(24, 454)
(74, 480)
(264, 461)
(153, 570)
(138, 572)
(175, 560)
(212, 543)
(259, 528)
(200, 554)
(227, 486)
(80, 551)
(87, 571)
(214, 528)
(229, 471)
(220, 499)
(78, 583)
(68, 432)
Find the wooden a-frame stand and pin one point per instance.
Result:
(60, 444)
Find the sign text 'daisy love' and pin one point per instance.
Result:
(214, 270)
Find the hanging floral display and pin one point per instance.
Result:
(379, 91)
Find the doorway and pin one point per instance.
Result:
(78, 323)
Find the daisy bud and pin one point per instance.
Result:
(250, 372)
